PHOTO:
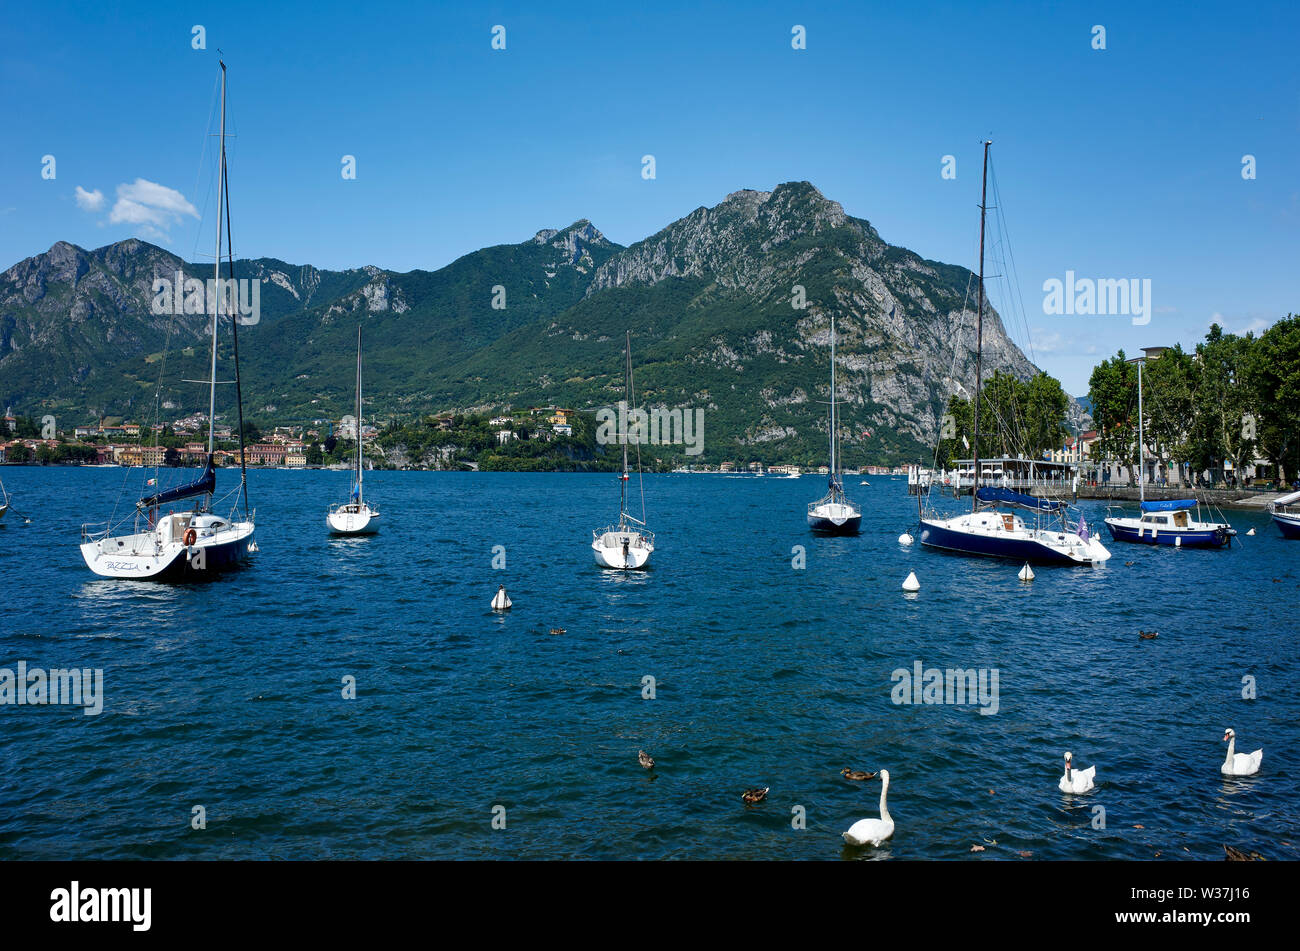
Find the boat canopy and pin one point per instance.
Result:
(996, 496)
(1169, 505)
(204, 484)
(1288, 499)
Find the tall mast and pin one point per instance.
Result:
(833, 480)
(627, 396)
(216, 304)
(360, 496)
(1142, 464)
(979, 329)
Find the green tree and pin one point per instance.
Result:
(1272, 374)
(1222, 401)
(1112, 388)
(1169, 404)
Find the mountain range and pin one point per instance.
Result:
(711, 302)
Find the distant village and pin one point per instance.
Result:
(323, 442)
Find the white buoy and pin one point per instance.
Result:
(501, 601)
(904, 539)
(1026, 573)
(1251, 532)
(910, 583)
(1178, 541)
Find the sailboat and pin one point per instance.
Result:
(1166, 521)
(176, 543)
(833, 513)
(626, 545)
(355, 516)
(4, 506)
(985, 530)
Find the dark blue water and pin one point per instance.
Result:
(228, 694)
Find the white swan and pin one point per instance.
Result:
(873, 831)
(1239, 764)
(1076, 780)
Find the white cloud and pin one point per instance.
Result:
(89, 201)
(152, 206)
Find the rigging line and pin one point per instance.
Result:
(952, 374)
(234, 333)
(631, 395)
(1014, 278)
(203, 161)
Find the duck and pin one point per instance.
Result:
(1129, 564)
(1076, 780)
(873, 831)
(558, 630)
(645, 759)
(1148, 635)
(1239, 764)
(857, 775)
(752, 796)
(1236, 855)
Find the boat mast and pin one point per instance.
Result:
(833, 479)
(216, 304)
(627, 418)
(979, 330)
(360, 495)
(1142, 463)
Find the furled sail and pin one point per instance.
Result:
(204, 484)
(996, 496)
(1168, 505)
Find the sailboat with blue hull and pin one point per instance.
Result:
(1165, 521)
(178, 543)
(1048, 538)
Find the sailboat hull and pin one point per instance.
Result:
(342, 522)
(147, 557)
(622, 550)
(962, 536)
(839, 525)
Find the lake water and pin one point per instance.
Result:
(228, 694)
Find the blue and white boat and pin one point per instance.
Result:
(1167, 521)
(1170, 522)
(1286, 514)
(175, 544)
(1049, 538)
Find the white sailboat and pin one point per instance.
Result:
(626, 545)
(355, 516)
(175, 543)
(4, 506)
(984, 530)
(834, 513)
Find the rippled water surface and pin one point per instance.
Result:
(228, 694)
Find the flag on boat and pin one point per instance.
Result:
(1083, 529)
(151, 482)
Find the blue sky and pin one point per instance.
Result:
(1117, 163)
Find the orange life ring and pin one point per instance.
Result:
(191, 537)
